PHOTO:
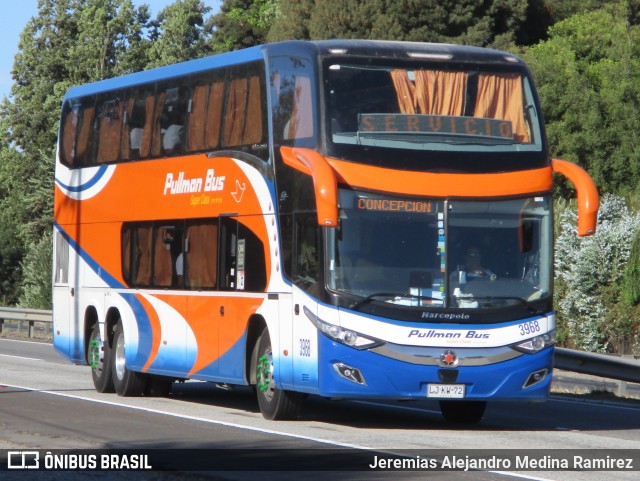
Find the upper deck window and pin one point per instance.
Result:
(218, 109)
(294, 111)
(431, 108)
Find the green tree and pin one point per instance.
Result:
(588, 74)
(68, 42)
(501, 23)
(242, 24)
(291, 21)
(179, 33)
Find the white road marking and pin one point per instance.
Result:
(250, 428)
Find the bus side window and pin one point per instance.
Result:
(205, 109)
(137, 123)
(201, 250)
(62, 259)
(169, 120)
(291, 89)
(141, 251)
(197, 117)
(306, 265)
(168, 246)
(245, 109)
(109, 125)
(84, 141)
(214, 115)
(69, 130)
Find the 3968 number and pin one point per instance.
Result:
(305, 347)
(530, 327)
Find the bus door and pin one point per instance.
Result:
(306, 289)
(67, 334)
(205, 306)
(226, 310)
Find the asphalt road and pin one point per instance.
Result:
(45, 403)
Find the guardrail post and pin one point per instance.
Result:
(1, 325)
(622, 388)
(31, 324)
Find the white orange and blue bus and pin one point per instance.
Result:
(348, 219)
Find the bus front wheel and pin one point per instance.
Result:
(126, 383)
(99, 358)
(275, 403)
(463, 411)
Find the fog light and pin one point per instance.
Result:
(535, 378)
(350, 373)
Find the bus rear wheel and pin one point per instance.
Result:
(126, 383)
(275, 403)
(99, 358)
(463, 411)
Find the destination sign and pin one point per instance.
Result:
(435, 124)
(393, 205)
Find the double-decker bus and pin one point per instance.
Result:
(348, 219)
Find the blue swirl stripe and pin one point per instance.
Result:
(88, 184)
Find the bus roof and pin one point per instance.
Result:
(368, 48)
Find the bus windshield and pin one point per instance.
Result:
(431, 108)
(448, 254)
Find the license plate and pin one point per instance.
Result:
(446, 391)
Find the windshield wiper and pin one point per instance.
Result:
(524, 302)
(392, 295)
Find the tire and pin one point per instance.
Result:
(99, 359)
(126, 383)
(463, 411)
(275, 404)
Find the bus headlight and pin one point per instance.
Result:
(537, 343)
(344, 336)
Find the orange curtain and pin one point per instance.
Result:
(83, 146)
(148, 124)
(162, 262)
(202, 255)
(156, 140)
(142, 261)
(235, 112)
(404, 90)
(109, 130)
(197, 118)
(432, 93)
(125, 142)
(440, 93)
(214, 114)
(252, 133)
(500, 97)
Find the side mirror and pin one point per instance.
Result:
(588, 199)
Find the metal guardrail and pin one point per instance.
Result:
(602, 365)
(30, 316)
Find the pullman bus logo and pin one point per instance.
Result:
(448, 359)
